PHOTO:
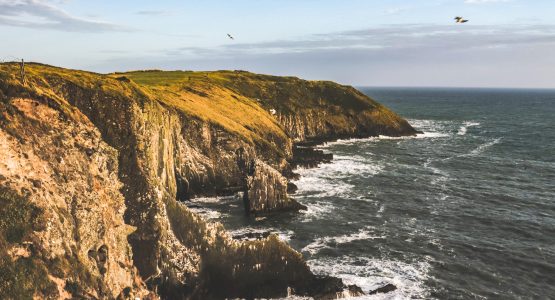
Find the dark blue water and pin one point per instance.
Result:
(464, 211)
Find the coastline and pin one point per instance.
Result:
(160, 143)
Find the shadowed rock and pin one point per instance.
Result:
(115, 152)
(384, 289)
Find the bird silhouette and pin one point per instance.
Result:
(230, 37)
(460, 20)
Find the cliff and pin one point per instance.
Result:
(92, 169)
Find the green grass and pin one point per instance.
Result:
(201, 97)
(236, 101)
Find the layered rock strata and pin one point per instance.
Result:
(95, 165)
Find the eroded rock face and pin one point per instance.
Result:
(147, 146)
(305, 126)
(64, 169)
(105, 160)
(319, 110)
(266, 190)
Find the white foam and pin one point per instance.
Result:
(371, 273)
(344, 166)
(313, 185)
(441, 176)
(425, 135)
(316, 211)
(430, 129)
(206, 199)
(480, 149)
(380, 211)
(283, 235)
(463, 129)
(212, 200)
(326, 179)
(326, 242)
(206, 213)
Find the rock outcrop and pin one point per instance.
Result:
(62, 212)
(265, 190)
(97, 164)
(318, 110)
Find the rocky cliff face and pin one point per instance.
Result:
(318, 110)
(98, 163)
(62, 212)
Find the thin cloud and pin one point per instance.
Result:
(415, 55)
(484, 1)
(390, 38)
(41, 14)
(153, 13)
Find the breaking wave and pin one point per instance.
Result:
(484, 147)
(206, 213)
(430, 129)
(463, 129)
(326, 180)
(251, 233)
(372, 273)
(326, 242)
(316, 211)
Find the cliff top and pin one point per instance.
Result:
(99, 152)
(239, 102)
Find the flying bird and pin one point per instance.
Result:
(460, 20)
(230, 37)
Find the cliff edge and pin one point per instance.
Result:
(93, 168)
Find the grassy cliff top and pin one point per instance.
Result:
(199, 99)
(287, 94)
(237, 101)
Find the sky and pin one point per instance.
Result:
(411, 43)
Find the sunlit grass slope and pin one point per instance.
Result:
(288, 95)
(203, 95)
(198, 98)
(239, 102)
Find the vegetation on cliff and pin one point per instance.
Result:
(105, 158)
(345, 110)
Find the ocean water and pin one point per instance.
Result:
(465, 210)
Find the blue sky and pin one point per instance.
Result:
(506, 43)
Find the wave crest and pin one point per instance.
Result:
(370, 274)
(326, 242)
(463, 129)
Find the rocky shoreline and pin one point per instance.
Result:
(100, 163)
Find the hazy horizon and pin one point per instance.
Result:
(400, 43)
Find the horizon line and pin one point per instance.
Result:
(297, 76)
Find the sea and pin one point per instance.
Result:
(465, 210)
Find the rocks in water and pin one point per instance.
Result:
(112, 158)
(355, 291)
(291, 188)
(308, 157)
(384, 289)
(327, 287)
(266, 190)
(252, 235)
